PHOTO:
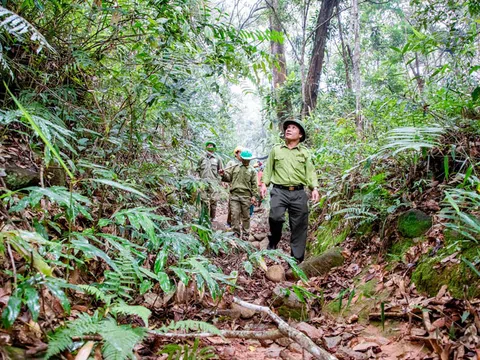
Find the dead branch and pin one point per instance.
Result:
(304, 341)
(230, 334)
(388, 315)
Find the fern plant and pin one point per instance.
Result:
(185, 352)
(118, 340)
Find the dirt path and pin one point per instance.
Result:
(348, 333)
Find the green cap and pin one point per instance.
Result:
(246, 154)
(210, 143)
(297, 123)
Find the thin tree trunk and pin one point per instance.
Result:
(318, 53)
(279, 69)
(346, 63)
(356, 66)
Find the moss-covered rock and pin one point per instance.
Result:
(329, 235)
(318, 265)
(294, 314)
(414, 223)
(430, 275)
(288, 304)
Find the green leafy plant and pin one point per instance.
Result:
(28, 293)
(117, 341)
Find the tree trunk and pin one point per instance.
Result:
(356, 66)
(345, 57)
(279, 68)
(318, 53)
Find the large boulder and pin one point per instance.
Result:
(18, 178)
(414, 223)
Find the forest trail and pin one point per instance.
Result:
(347, 333)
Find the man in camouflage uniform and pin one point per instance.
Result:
(289, 169)
(243, 192)
(208, 168)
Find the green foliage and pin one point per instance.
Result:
(118, 340)
(28, 293)
(72, 203)
(190, 325)
(16, 27)
(460, 210)
(257, 258)
(185, 352)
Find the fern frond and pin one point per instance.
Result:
(190, 325)
(119, 340)
(99, 294)
(140, 311)
(62, 338)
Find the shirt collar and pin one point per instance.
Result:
(298, 146)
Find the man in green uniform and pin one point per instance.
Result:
(289, 169)
(231, 163)
(208, 168)
(243, 192)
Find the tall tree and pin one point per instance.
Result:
(345, 56)
(279, 69)
(318, 53)
(356, 66)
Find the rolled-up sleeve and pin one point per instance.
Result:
(311, 174)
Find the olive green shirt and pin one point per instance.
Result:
(208, 167)
(290, 167)
(243, 180)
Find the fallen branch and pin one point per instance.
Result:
(304, 341)
(393, 315)
(257, 335)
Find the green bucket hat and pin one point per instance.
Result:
(297, 123)
(246, 155)
(211, 143)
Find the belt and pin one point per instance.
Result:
(290, 188)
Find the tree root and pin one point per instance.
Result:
(284, 330)
(304, 341)
(229, 334)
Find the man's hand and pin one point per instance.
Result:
(315, 196)
(263, 191)
(221, 172)
(253, 200)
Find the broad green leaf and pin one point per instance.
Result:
(164, 282)
(182, 275)
(247, 265)
(160, 261)
(33, 301)
(40, 133)
(476, 93)
(92, 251)
(59, 294)
(120, 186)
(10, 313)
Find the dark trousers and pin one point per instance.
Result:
(296, 202)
